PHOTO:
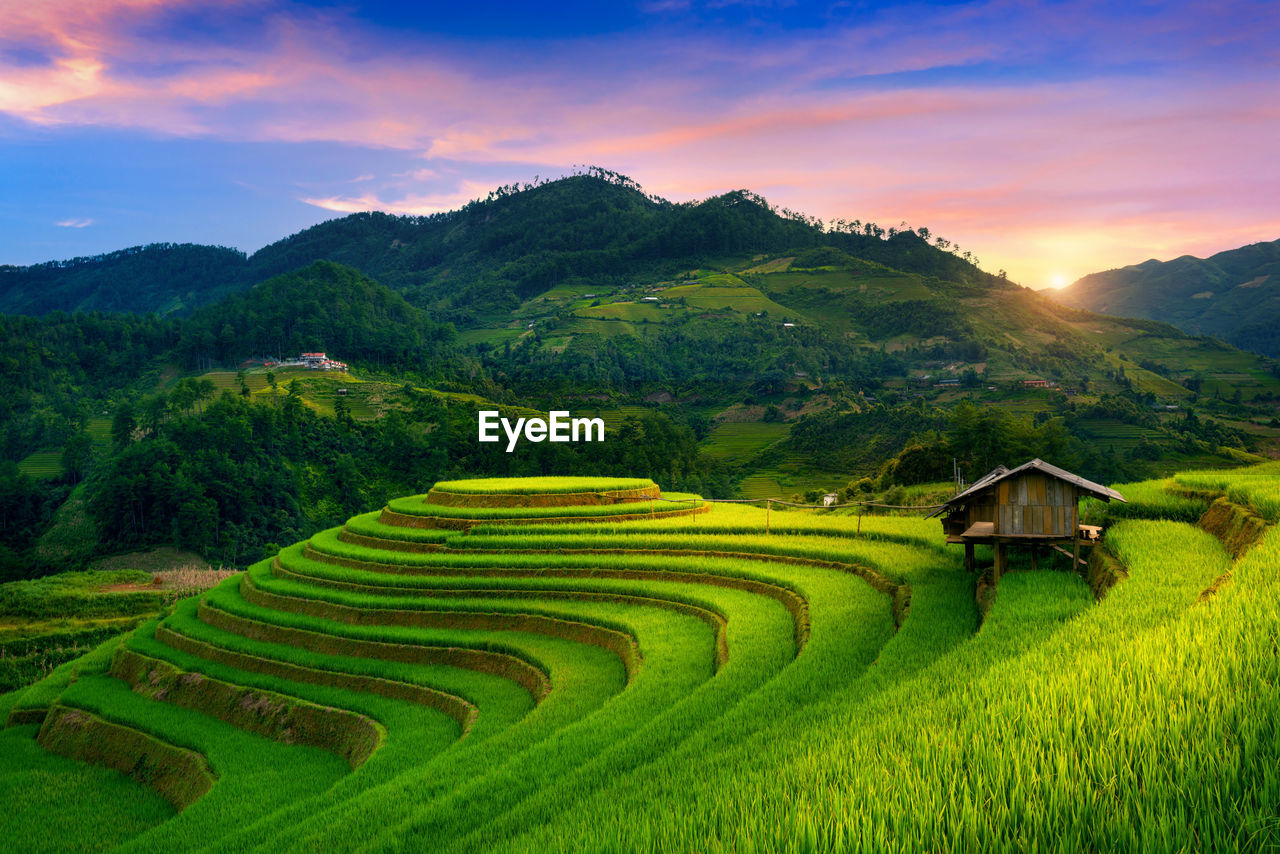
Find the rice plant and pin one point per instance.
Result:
(745, 679)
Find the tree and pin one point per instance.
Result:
(205, 389)
(226, 340)
(183, 396)
(123, 424)
(154, 412)
(77, 456)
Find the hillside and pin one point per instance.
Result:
(570, 664)
(1234, 295)
(487, 256)
(597, 228)
(321, 305)
(162, 279)
(814, 368)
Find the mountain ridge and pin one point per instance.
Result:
(1233, 295)
(486, 255)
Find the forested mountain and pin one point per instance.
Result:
(163, 278)
(487, 256)
(519, 242)
(1234, 295)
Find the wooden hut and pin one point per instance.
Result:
(1035, 504)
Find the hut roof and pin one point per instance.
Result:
(1000, 473)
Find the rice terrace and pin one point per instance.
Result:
(588, 664)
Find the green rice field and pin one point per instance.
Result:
(43, 464)
(555, 677)
(738, 441)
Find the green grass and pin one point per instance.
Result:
(77, 594)
(736, 680)
(99, 429)
(1117, 435)
(246, 765)
(535, 485)
(419, 507)
(51, 800)
(738, 441)
(761, 485)
(495, 337)
(631, 312)
(1031, 733)
(42, 464)
(1148, 499)
(605, 328)
(881, 285)
(732, 296)
(1257, 487)
(788, 480)
(367, 524)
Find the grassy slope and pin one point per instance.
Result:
(1138, 722)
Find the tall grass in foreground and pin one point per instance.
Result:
(1144, 722)
(36, 788)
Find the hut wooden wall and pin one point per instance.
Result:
(984, 512)
(1035, 505)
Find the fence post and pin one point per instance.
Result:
(861, 507)
(768, 506)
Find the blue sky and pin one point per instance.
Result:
(1051, 139)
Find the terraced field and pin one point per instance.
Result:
(42, 464)
(740, 440)
(590, 665)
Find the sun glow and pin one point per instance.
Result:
(1059, 280)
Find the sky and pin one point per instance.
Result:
(1049, 139)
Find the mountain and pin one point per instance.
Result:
(1234, 295)
(481, 259)
(163, 278)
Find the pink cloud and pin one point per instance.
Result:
(415, 205)
(1032, 176)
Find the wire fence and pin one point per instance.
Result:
(771, 501)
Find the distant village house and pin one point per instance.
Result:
(314, 361)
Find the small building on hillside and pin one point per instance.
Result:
(1035, 504)
(319, 362)
(830, 499)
